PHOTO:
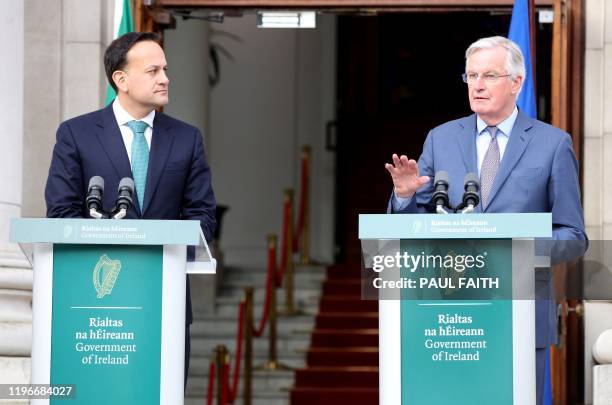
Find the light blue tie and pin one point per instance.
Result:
(140, 158)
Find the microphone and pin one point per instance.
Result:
(125, 195)
(471, 185)
(440, 195)
(94, 197)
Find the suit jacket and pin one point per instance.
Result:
(538, 173)
(178, 178)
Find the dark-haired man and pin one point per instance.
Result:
(128, 138)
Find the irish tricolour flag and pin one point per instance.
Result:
(123, 23)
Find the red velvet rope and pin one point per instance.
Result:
(285, 239)
(234, 389)
(230, 394)
(224, 389)
(211, 383)
(300, 218)
(270, 276)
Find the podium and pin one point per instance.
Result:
(456, 305)
(109, 306)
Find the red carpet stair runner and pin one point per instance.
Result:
(342, 361)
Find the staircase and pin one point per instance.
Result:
(294, 334)
(342, 361)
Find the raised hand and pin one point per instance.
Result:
(405, 176)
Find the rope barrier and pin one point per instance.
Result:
(225, 391)
(269, 277)
(289, 243)
(237, 358)
(211, 383)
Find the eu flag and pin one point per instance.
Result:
(519, 33)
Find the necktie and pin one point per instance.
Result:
(140, 158)
(490, 164)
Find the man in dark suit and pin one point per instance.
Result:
(524, 165)
(128, 138)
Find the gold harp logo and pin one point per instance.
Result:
(105, 275)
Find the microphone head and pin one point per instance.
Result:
(471, 185)
(96, 182)
(471, 179)
(128, 183)
(124, 196)
(440, 195)
(441, 176)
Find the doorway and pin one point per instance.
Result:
(398, 76)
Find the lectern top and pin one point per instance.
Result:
(105, 231)
(455, 226)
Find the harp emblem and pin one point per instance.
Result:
(105, 275)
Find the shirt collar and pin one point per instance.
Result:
(123, 117)
(505, 126)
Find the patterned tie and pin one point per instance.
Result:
(490, 164)
(140, 158)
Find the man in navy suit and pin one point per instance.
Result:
(524, 165)
(129, 138)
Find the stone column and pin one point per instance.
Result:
(602, 373)
(597, 166)
(15, 273)
(186, 49)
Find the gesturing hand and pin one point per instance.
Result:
(405, 175)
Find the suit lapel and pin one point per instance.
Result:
(110, 137)
(466, 137)
(161, 143)
(517, 143)
(111, 140)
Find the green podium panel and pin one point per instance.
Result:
(106, 322)
(457, 322)
(109, 306)
(459, 353)
(457, 313)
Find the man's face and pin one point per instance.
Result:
(146, 82)
(493, 102)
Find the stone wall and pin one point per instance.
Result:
(54, 73)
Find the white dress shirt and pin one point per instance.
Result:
(483, 139)
(123, 117)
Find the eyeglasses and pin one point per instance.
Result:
(487, 77)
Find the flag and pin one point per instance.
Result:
(519, 33)
(123, 23)
(548, 397)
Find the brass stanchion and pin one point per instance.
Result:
(221, 360)
(248, 345)
(305, 237)
(290, 308)
(272, 362)
(289, 267)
